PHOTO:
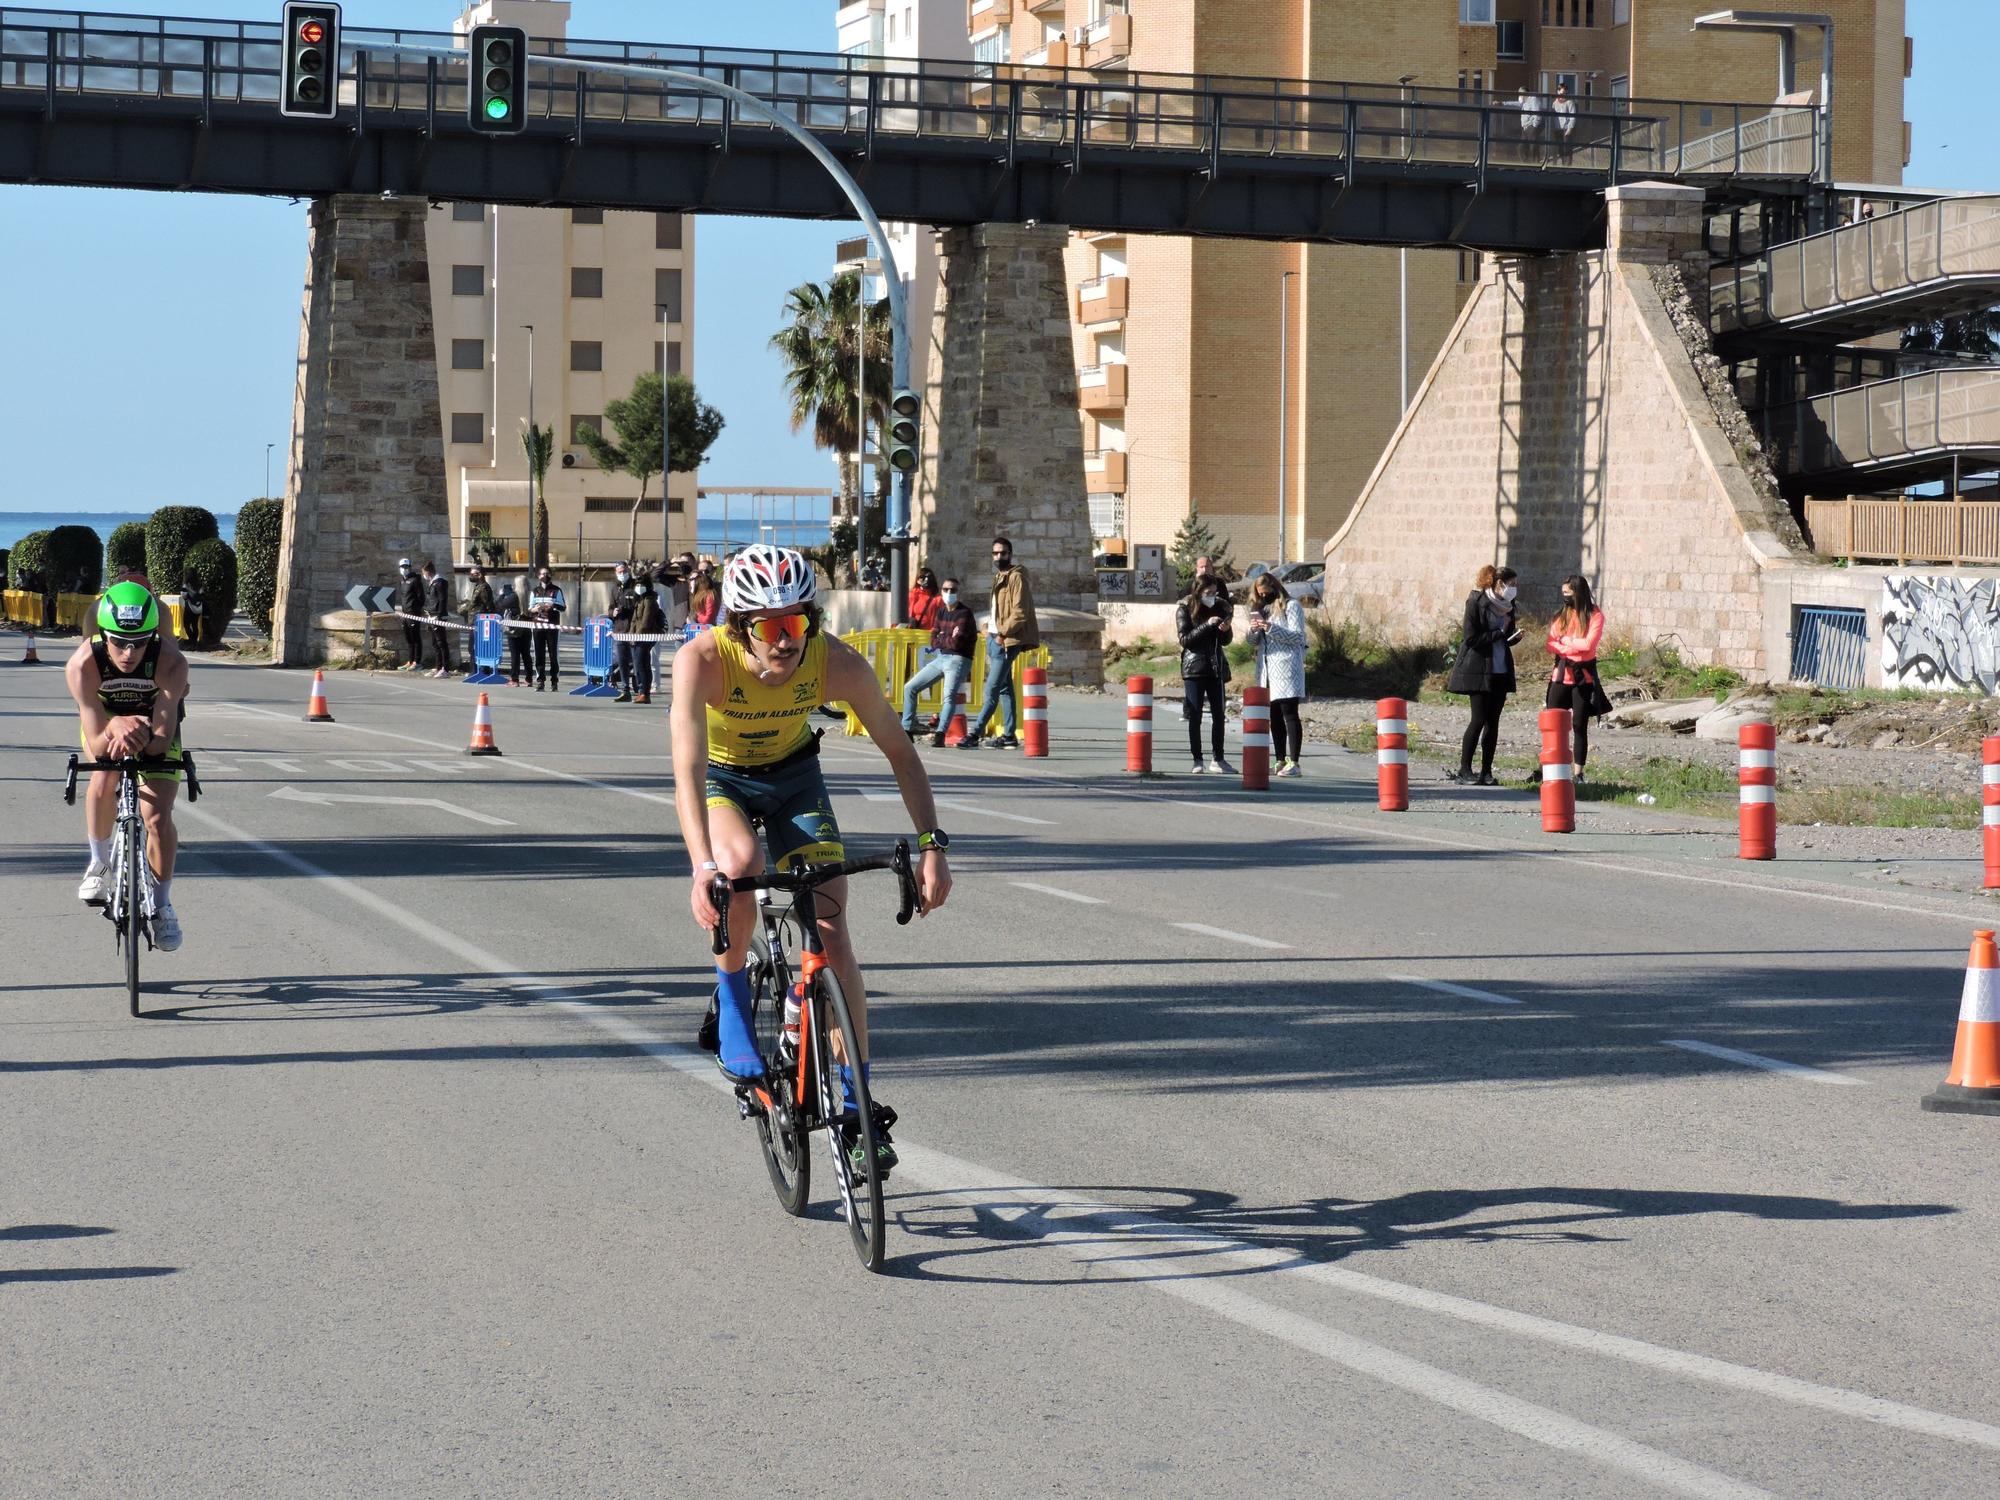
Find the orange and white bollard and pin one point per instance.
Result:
(954, 730)
(1035, 712)
(1558, 773)
(482, 730)
(1392, 754)
(1972, 1087)
(1989, 811)
(1139, 724)
(1256, 739)
(316, 707)
(1757, 792)
(28, 657)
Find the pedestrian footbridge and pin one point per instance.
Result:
(1903, 429)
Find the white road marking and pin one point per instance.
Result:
(1049, 890)
(974, 809)
(372, 767)
(1227, 936)
(1445, 987)
(950, 1176)
(328, 799)
(443, 767)
(1757, 1060)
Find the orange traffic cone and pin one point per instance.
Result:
(482, 730)
(316, 710)
(954, 730)
(1972, 1087)
(29, 659)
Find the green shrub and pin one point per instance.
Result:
(169, 534)
(212, 564)
(260, 529)
(126, 549)
(75, 560)
(28, 556)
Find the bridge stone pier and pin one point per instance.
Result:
(1003, 446)
(365, 481)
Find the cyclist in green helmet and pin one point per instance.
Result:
(130, 682)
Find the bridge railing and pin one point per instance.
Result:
(1888, 424)
(70, 52)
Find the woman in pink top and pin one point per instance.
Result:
(1574, 635)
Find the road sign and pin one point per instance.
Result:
(363, 599)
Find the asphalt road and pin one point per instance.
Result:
(1251, 1142)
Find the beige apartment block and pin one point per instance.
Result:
(609, 296)
(1177, 341)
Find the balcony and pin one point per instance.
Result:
(1106, 42)
(982, 16)
(1104, 471)
(1102, 299)
(1101, 387)
(1053, 54)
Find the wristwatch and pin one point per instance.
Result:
(935, 838)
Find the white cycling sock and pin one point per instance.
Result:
(100, 851)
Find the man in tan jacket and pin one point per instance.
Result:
(1010, 630)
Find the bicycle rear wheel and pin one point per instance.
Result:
(780, 1131)
(860, 1188)
(132, 880)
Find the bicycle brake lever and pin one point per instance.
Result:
(718, 896)
(906, 882)
(69, 786)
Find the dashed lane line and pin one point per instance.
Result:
(1464, 992)
(1227, 936)
(1758, 1060)
(1050, 890)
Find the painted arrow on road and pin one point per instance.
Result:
(363, 599)
(327, 799)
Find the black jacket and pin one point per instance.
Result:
(623, 597)
(437, 596)
(479, 601)
(508, 603)
(956, 631)
(410, 594)
(1203, 632)
(1473, 671)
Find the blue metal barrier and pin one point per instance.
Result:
(598, 648)
(1829, 646)
(487, 634)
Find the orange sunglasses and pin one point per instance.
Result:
(770, 629)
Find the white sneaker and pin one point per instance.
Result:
(166, 928)
(1196, 769)
(96, 887)
(1222, 768)
(1289, 768)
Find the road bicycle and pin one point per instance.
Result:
(804, 1033)
(130, 904)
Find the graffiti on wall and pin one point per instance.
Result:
(1940, 633)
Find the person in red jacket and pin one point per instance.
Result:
(954, 634)
(925, 602)
(1574, 636)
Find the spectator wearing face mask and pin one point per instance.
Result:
(954, 634)
(647, 618)
(924, 601)
(623, 597)
(1204, 625)
(1013, 631)
(1278, 631)
(545, 607)
(437, 604)
(509, 605)
(1484, 671)
(1574, 684)
(410, 604)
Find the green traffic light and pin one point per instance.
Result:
(496, 109)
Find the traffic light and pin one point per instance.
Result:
(904, 409)
(497, 101)
(310, 87)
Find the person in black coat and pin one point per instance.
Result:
(1484, 671)
(1203, 622)
(509, 605)
(410, 603)
(437, 604)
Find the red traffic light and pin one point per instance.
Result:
(311, 31)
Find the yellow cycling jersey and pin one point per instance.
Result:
(758, 724)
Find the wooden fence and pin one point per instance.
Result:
(1904, 530)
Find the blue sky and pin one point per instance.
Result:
(151, 336)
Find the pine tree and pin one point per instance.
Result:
(1197, 539)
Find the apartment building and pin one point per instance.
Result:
(1177, 340)
(608, 296)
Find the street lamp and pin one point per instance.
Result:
(1284, 397)
(267, 469)
(1785, 26)
(536, 544)
(1403, 286)
(666, 451)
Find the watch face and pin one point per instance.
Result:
(939, 840)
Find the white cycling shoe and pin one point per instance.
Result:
(166, 928)
(96, 887)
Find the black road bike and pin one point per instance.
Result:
(130, 904)
(801, 1090)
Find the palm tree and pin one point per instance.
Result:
(539, 444)
(817, 346)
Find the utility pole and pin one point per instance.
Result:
(534, 551)
(267, 469)
(666, 450)
(1284, 397)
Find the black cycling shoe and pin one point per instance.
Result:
(706, 1035)
(885, 1149)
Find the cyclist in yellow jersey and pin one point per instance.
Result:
(744, 748)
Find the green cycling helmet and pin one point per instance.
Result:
(128, 611)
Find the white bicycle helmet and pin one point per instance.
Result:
(765, 577)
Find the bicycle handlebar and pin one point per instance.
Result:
(136, 763)
(721, 887)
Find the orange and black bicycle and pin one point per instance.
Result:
(806, 1035)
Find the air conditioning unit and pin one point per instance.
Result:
(569, 460)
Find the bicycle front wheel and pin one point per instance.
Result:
(834, 1038)
(131, 923)
(780, 1131)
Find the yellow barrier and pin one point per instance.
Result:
(76, 611)
(896, 654)
(25, 605)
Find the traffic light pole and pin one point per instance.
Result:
(897, 530)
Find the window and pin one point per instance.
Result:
(586, 281)
(996, 46)
(586, 354)
(599, 505)
(1471, 83)
(666, 357)
(1590, 12)
(468, 281)
(468, 427)
(593, 421)
(1475, 12)
(468, 213)
(667, 293)
(666, 231)
(1621, 12)
(586, 216)
(892, 37)
(479, 520)
(468, 354)
(1469, 262)
(1511, 39)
